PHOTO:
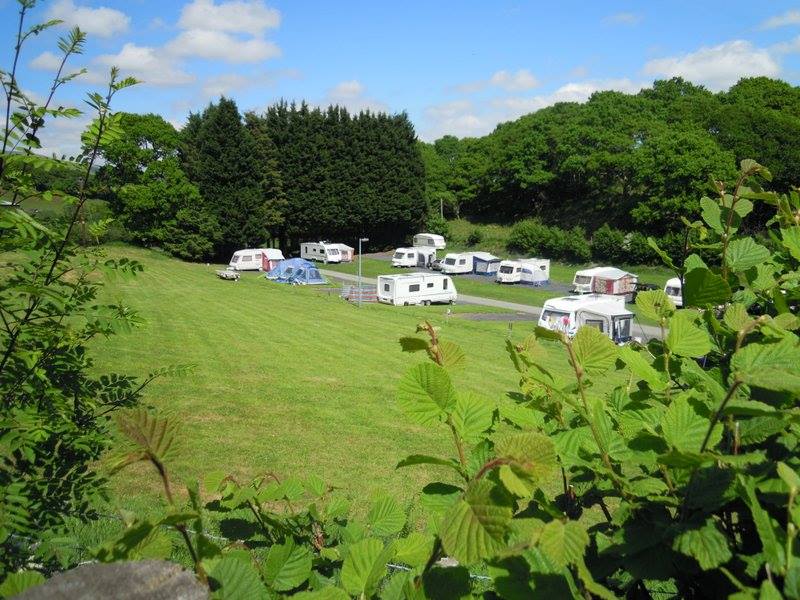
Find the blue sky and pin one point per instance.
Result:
(455, 67)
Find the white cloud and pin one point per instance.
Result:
(63, 136)
(352, 95)
(102, 21)
(464, 118)
(791, 17)
(514, 82)
(240, 16)
(623, 18)
(150, 65)
(717, 67)
(218, 45)
(46, 61)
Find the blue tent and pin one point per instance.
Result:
(297, 271)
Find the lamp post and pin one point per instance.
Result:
(359, 268)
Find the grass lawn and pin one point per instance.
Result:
(288, 379)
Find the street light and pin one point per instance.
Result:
(359, 268)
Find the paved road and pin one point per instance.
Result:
(646, 331)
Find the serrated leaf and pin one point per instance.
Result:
(529, 452)
(365, 566)
(437, 497)
(475, 526)
(641, 368)
(287, 566)
(736, 317)
(236, 579)
(703, 288)
(693, 261)
(655, 304)
(744, 253)
(771, 541)
(326, 593)
(452, 355)
(563, 543)
(594, 351)
(769, 366)
(414, 550)
(16, 583)
(684, 429)
(686, 337)
(790, 238)
(472, 416)
(426, 393)
(386, 518)
(789, 476)
(707, 545)
(711, 213)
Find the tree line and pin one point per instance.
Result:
(293, 173)
(637, 162)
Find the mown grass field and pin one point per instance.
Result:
(287, 379)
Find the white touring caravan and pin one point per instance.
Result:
(416, 288)
(430, 240)
(606, 313)
(605, 280)
(255, 259)
(413, 257)
(459, 262)
(323, 252)
(535, 271)
(673, 291)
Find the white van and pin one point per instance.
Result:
(255, 259)
(673, 291)
(535, 271)
(431, 240)
(413, 257)
(321, 251)
(416, 288)
(606, 313)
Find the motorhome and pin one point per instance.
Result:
(605, 312)
(430, 240)
(534, 271)
(255, 259)
(321, 251)
(413, 257)
(673, 291)
(416, 288)
(605, 280)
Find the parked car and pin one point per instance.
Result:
(436, 265)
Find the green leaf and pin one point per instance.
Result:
(790, 237)
(789, 477)
(475, 526)
(693, 261)
(684, 429)
(771, 540)
(325, 593)
(236, 579)
(666, 258)
(655, 304)
(365, 566)
(769, 366)
(564, 543)
(736, 317)
(602, 423)
(744, 253)
(711, 213)
(707, 545)
(386, 518)
(472, 416)
(703, 288)
(422, 459)
(594, 351)
(426, 393)
(287, 566)
(16, 583)
(640, 367)
(529, 452)
(414, 550)
(453, 356)
(685, 337)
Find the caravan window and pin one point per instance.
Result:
(385, 287)
(623, 328)
(247, 258)
(430, 285)
(398, 255)
(333, 252)
(597, 323)
(410, 255)
(506, 269)
(444, 284)
(673, 291)
(582, 279)
(413, 287)
(462, 261)
(449, 261)
(235, 259)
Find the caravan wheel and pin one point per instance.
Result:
(426, 302)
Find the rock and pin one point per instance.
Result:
(137, 580)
